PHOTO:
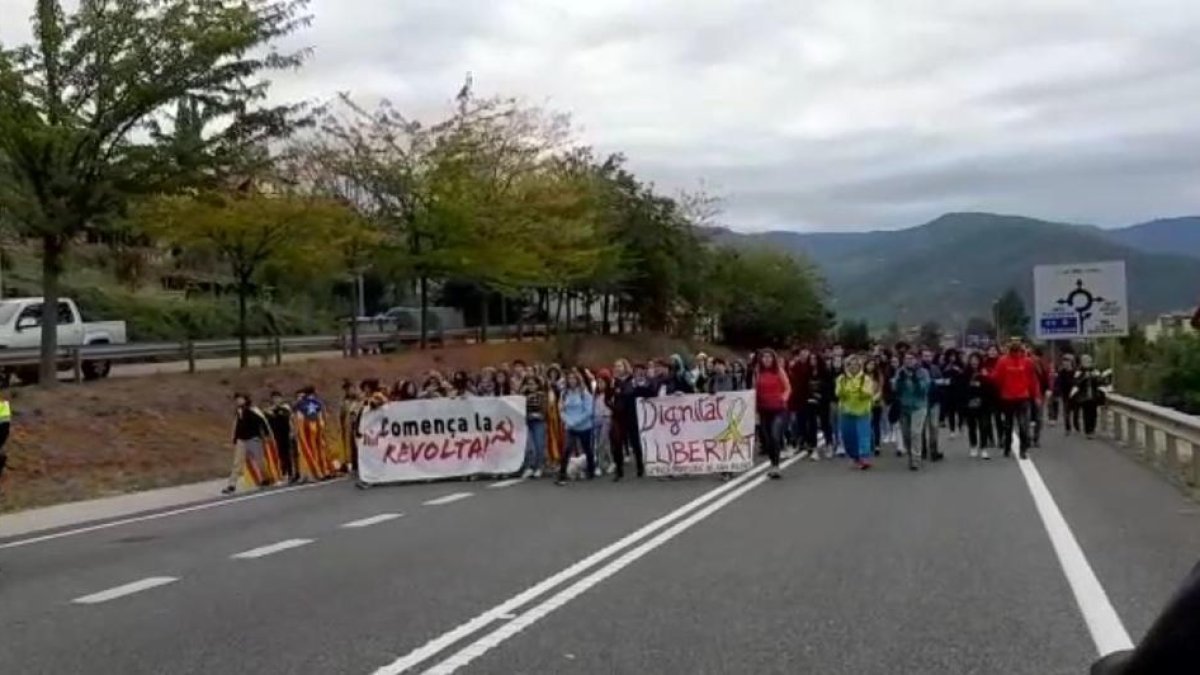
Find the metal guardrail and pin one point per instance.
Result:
(265, 348)
(1165, 438)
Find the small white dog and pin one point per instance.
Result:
(577, 467)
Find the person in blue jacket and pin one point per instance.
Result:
(577, 408)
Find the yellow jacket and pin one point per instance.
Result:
(855, 393)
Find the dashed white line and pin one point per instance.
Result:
(273, 548)
(481, 646)
(122, 591)
(505, 483)
(449, 498)
(373, 520)
(164, 514)
(506, 609)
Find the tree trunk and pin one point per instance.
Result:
(52, 253)
(424, 328)
(605, 326)
(354, 319)
(504, 312)
(558, 310)
(243, 290)
(484, 296)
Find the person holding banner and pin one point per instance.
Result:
(251, 447)
(628, 388)
(772, 391)
(577, 408)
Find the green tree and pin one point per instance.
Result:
(1011, 317)
(251, 231)
(82, 111)
(786, 301)
(854, 335)
(930, 335)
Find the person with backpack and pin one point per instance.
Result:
(911, 385)
(856, 393)
(1087, 395)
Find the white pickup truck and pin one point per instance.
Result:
(20, 328)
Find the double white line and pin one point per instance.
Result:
(645, 539)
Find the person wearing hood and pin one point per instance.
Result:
(678, 379)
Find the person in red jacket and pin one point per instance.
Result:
(1019, 388)
(772, 391)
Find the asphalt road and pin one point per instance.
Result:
(950, 570)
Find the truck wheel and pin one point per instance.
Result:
(96, 370)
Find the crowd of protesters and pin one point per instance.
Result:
(822, 403)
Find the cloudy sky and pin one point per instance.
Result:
(815, 115)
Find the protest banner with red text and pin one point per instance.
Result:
(441, 438)
(697, 433)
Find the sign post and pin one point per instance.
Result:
(1080, 301)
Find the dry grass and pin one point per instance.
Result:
(124, 435)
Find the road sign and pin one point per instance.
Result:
(1080, 300)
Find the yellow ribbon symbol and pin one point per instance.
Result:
(732, 432)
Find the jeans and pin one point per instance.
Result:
(856, 436)
(913, 422)
(979, 428)
(929, 433)
(771, 429)
(602, 442)
(3, 439)
(578, 440)
(625, 437)
(1035, 421)
(807, 425)
(1091, 412)
(535, 445)
(1016, 417)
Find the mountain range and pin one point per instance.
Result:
(954, 267)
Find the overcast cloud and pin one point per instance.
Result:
(816, 115)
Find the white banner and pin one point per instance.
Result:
(697, 433)
(442, 438)
(1080, 300)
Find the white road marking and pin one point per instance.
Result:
(121, 591)
(164, 514)
(481, 646)
(1108, 633)
(509, 607)
(373, 520)
(506, 483)
(449, 498)
(273, 548)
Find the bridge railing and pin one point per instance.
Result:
(267, 350)
(1165, 438)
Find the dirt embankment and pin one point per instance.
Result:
(123, 435)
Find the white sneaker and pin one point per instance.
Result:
(841, 452)
(953, 434)
(983, 454)
(787, 453)
(974, 453)
(815, 456)
(527, 473)
(537, 473)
